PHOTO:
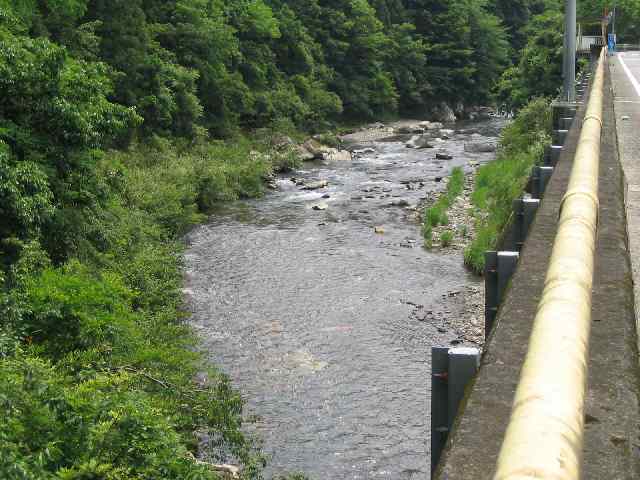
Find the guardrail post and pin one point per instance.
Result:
(559, 136)
(491, 300)
(525, 211)
(562, 110)
(564, 123)
(507, 263)
(452, 369)
(499, 268)
(463, 366)
(540, 176)
(554, 155)
(439, 402)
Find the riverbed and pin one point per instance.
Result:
(324, 319)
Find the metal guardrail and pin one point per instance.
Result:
(544, 438)
(627, 47)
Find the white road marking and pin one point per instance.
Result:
(633, 80)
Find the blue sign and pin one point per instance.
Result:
(612, 42)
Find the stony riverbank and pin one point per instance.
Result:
(467, 323)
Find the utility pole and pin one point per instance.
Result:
(569, 59)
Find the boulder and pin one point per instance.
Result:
(443, 113)
(419, 141)
(407, 129)
(481, 146)
(281, 142)
(315, 185)
(332, 154)
(364, 151)
(314, 147)
(304, 154)
(443, 156)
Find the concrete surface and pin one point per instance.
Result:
(612, 436)
(625, 76)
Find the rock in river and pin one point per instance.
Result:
(444, 156)
(320, 206)
(314, 148)
(333, 154)
(315, 185)
(419, 141)
(481, 146)
(304, 154)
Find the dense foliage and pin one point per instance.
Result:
(219, 65)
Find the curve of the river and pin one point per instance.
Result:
(310, 312)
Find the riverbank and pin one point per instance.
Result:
(462, 226)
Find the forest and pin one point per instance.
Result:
(122, 123)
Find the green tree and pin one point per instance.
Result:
(539, 72)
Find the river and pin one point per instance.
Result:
(317, 318)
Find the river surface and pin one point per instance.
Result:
(313, 314)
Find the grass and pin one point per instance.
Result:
(436, 215)
(446, 238)
(503, 180)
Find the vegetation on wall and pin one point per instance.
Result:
(500, 182)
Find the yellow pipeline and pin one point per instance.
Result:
(544, 438)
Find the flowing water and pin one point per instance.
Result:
(313, 314)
